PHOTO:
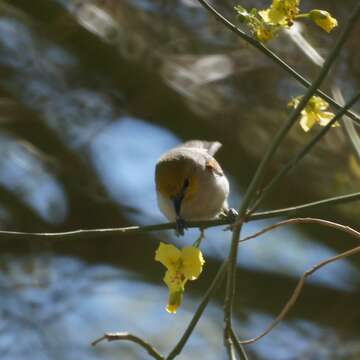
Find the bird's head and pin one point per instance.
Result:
(176, 179)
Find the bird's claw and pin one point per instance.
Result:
(231, 216)
(181, 225)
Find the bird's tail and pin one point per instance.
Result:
(211, 146)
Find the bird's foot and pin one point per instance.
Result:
(181, 226)
(231, 216)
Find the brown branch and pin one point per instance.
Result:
(130, 337)
(297, 291)
(307, 220)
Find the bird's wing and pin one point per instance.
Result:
(210, 146)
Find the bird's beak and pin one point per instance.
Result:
(177, 204)
(177, 199)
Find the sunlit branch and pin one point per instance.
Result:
(230, 348)
(349, 127)
(258, 45)
(130, 337)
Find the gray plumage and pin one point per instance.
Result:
(212, 147)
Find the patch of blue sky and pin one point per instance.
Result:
(24, 174)
(125, 154)
(287, 339)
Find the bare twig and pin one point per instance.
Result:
(238, 346)
(296, 293)
(271, 55)
(309, 206)
(307, 220)
(130, 337)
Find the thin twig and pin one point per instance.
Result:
(258, 45)
(308, 206)
(296, 293)
(130, 337)
(199, 311)
(238, 346)
(304, 151)
(306, 220)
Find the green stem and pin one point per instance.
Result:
(302, 16)
(230, 283)
(258, 45)
(301, 154)
(238, 346)
(214, 285)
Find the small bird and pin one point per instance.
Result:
(190, 183)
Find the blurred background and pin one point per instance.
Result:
(92, 92)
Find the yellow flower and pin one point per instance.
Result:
(313, 113)
(182, 265)
(259, 27)
(281, 12)
(323, 19)
(266, 24)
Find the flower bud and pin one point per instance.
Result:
(323, 19)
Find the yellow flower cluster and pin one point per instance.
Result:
(266, 24)
(313, 113)
(182, 265)
(281, 12)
